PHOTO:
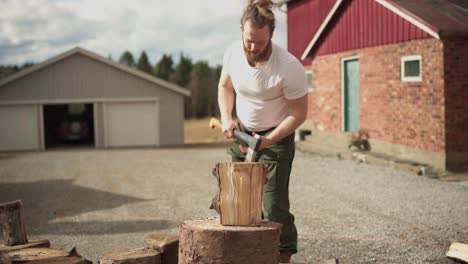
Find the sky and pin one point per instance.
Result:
(33, 31)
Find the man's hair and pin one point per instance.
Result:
(259, 13)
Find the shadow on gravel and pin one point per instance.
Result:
(44, 201)
(102, 228)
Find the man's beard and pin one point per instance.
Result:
(259, 57)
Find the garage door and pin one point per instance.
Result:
(131, 124)
(19, 127)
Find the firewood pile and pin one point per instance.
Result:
(157, 248)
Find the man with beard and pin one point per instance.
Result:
(269, 87)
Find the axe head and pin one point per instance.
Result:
(254, 144)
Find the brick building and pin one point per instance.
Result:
(396, 69)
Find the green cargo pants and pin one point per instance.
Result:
(279, 158)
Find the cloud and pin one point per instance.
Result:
(202, 29)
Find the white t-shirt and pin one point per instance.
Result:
(261, 92)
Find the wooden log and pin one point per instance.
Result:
(240, 192)
(73, 258)
(32, 254)
(207, 241)
(330, 261)
(166, 244)
(30, 244)
(132, 256)
(11, 219)
(458, 251)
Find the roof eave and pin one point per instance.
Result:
(78, 50)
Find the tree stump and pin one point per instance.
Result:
(207, 241)
(166, 244)
(132, 256)
(11, 219)
(32, 254)
(240, 186)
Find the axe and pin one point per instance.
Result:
(253, 142)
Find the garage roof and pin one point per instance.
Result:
(97, 57)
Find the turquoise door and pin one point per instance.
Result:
(351, 95)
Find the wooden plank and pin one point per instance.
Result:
(458, 251)
(32, 254)
(30, 244)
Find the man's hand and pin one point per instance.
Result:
(265, 143)
(228, 127)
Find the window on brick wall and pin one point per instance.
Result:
(310, 80)
(411, 68)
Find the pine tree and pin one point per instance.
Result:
(127, 59)
(164, 68)
(143, 63)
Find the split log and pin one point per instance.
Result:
(458, 251)
(30, 244)
(32, 254)
(330, 261)
(166, 244)
(207, 241)
(73, 258)
(132, 256)
(11, 219)
(240, 192)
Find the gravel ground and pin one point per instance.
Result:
(104, 200)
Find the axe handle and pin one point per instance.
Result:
(215, 123)
(244, 137)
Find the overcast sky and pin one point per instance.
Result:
(32, 30)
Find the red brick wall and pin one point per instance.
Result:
(406, 113)
(456, 94)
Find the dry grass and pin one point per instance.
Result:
(198, 131)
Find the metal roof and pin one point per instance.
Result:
(97, 57)
(439, 18)
(448, 17)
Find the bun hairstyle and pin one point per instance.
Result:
(259, 13)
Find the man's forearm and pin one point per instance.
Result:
(226, 103)
(297, 115)
(285, 128)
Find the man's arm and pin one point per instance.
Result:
(297, 115)
(226, 104)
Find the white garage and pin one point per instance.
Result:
(139, 119)
(79, 98)
(20, 127)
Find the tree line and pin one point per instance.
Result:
(198, 77)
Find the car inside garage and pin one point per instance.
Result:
(68, 125)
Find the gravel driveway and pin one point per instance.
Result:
(104, 200)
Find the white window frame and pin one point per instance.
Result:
(310, 87)
(413, 78)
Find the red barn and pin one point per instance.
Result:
(392, 68)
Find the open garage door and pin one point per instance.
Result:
(19, 127)
(131, 124)
(68, 125)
